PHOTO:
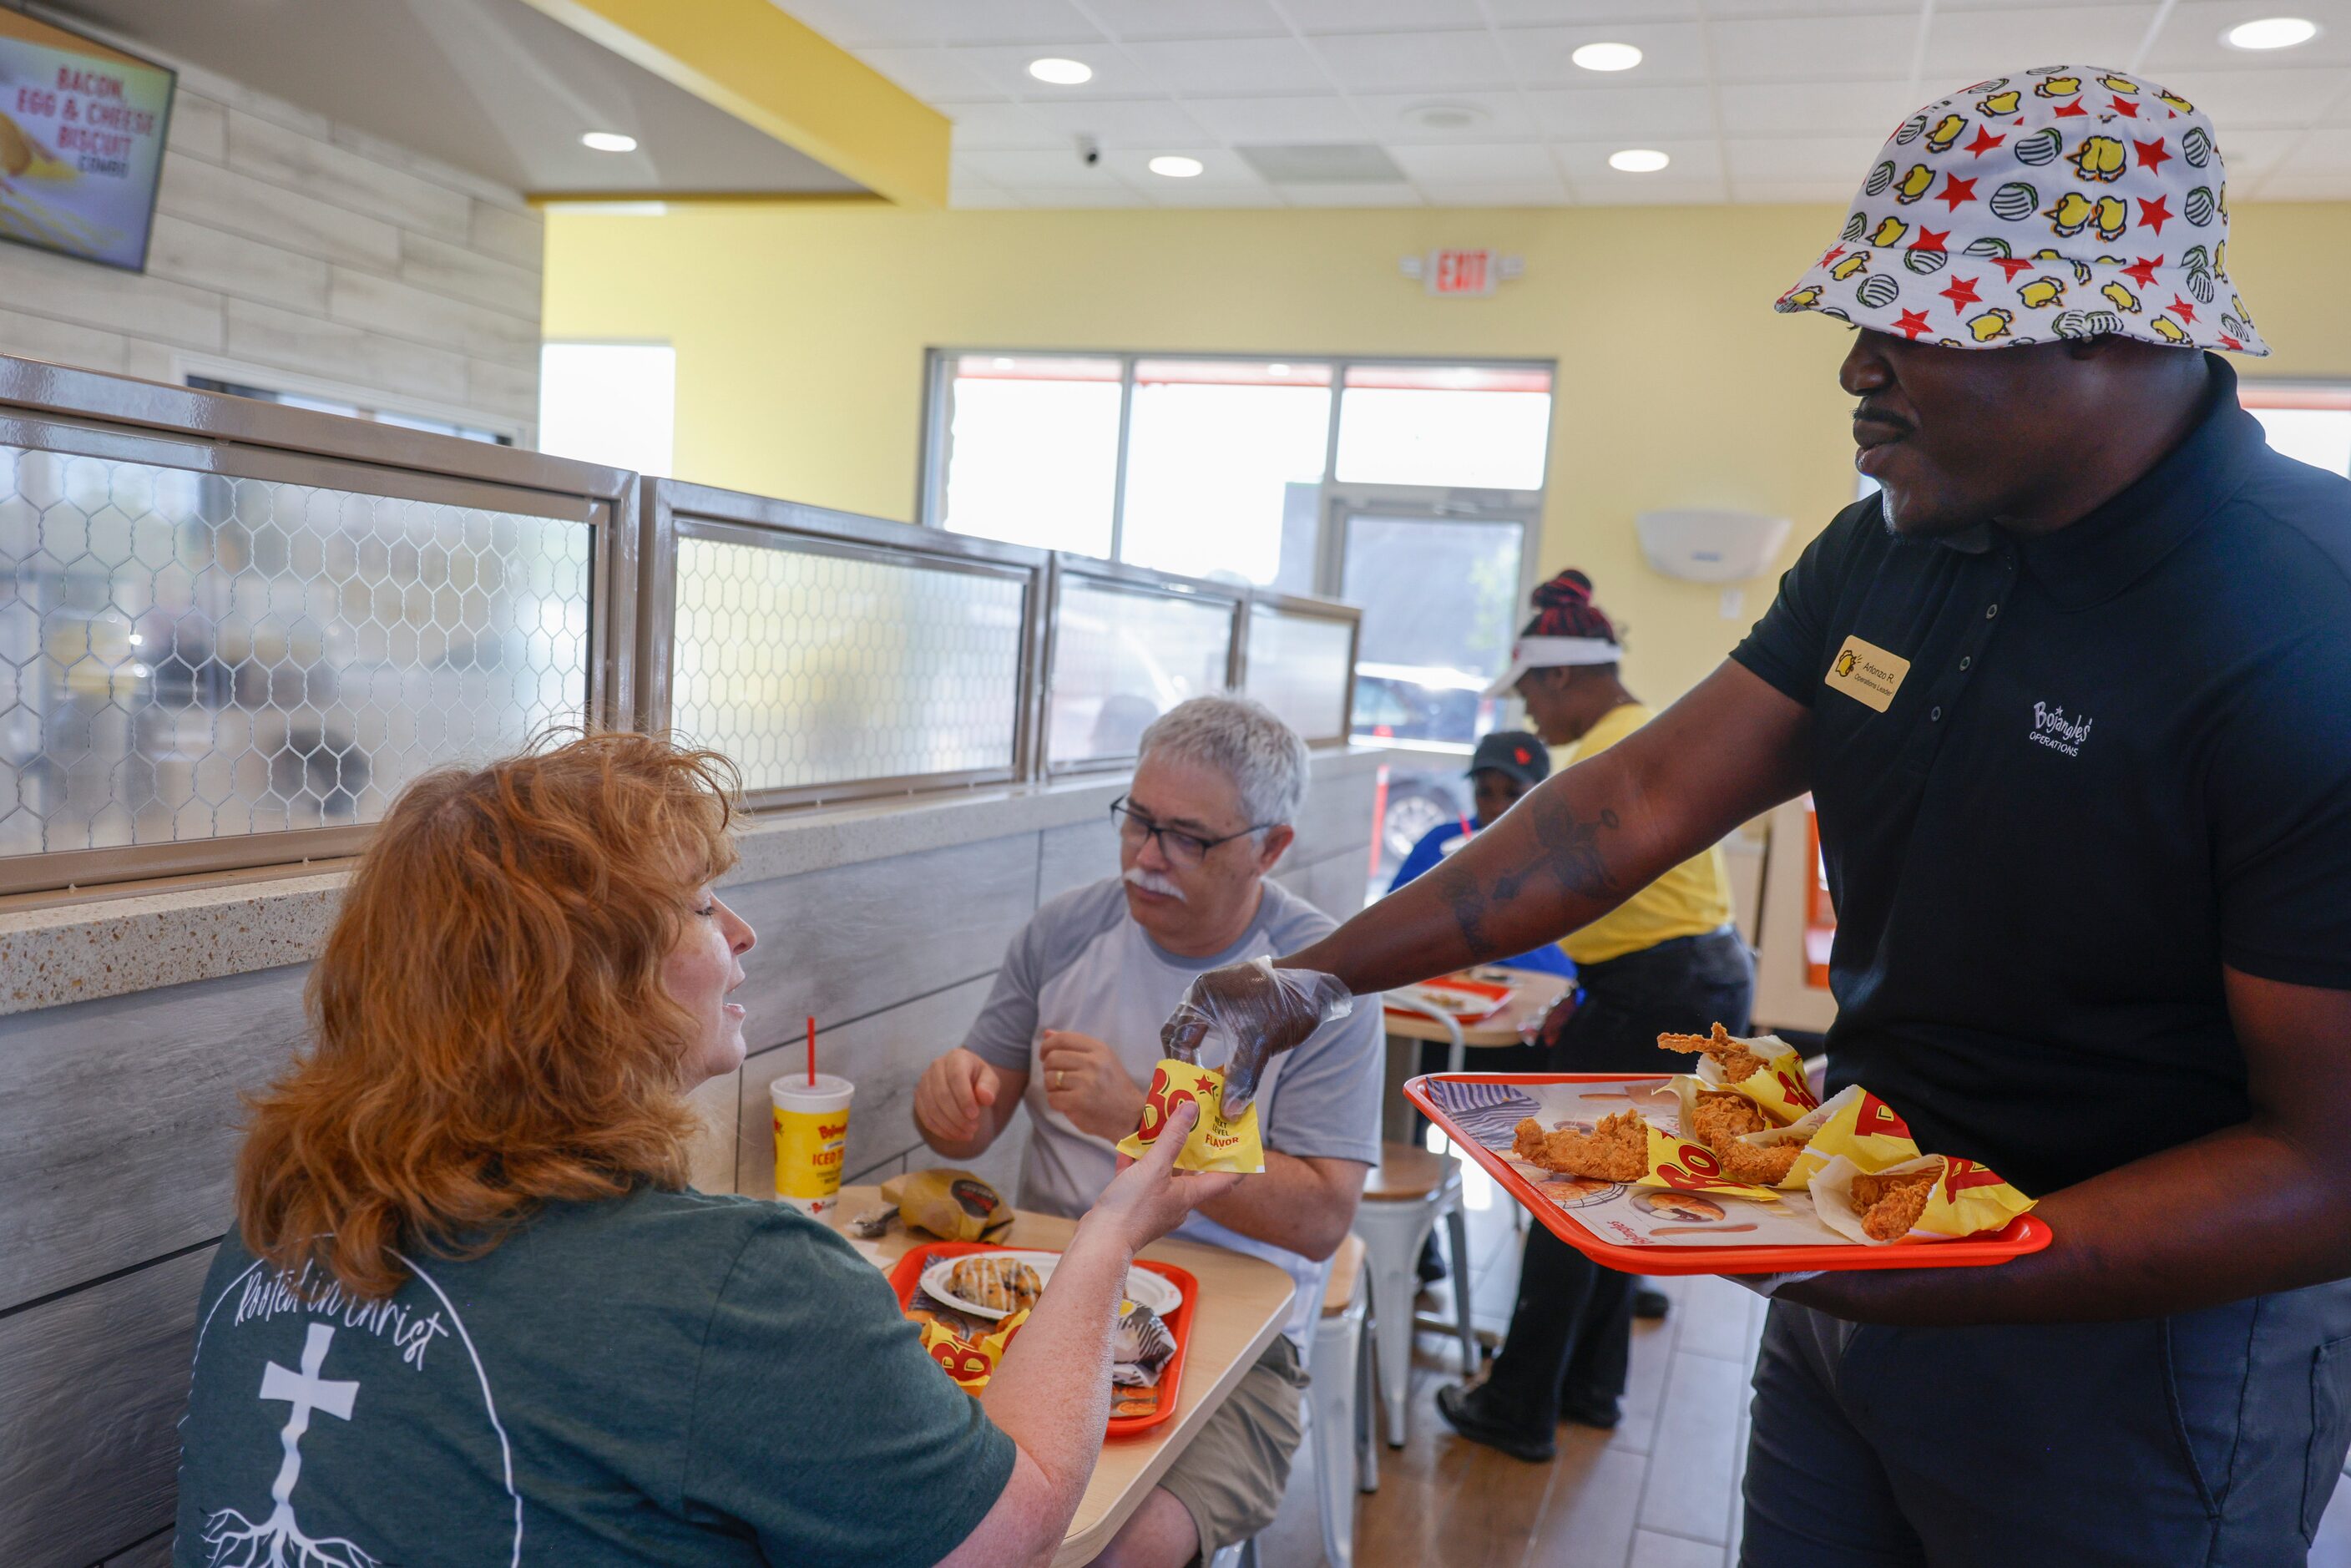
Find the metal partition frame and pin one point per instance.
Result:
(1266, 603)
(1069, 567)
(48, 407)
(670, 510)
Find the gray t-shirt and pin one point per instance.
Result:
(665, 1378)
(1082, 964)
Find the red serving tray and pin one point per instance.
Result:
(906, 1279)
(2026, 1233)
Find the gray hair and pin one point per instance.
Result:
(1244, 741)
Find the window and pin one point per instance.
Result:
(350, 410)
(614, 403)
(1224, 460)
(2309, 421)
(1032, 450)
(1216, 465)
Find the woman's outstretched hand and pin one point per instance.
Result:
(1149, 1197)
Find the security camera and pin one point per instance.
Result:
(1089, 150)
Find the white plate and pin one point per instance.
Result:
(1142, 1287)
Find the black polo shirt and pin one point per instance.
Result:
(2119, 758)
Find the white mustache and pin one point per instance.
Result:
(1152, 882)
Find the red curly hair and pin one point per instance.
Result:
(492, 1031)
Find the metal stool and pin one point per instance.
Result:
(1342, 1413)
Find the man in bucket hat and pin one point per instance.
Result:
(2073, 695)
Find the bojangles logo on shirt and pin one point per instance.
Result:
(1866, 673)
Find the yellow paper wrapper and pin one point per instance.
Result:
(1853, 1122)
(1216, 1143)
(1780, 1087)
(971, 1362)
(1966, 1199)
(1688, 1166)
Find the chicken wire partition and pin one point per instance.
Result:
(1126, 645)
(1299, 659)
(231, 630)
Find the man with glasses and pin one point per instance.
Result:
(1072, 1030)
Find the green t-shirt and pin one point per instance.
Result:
(665, 1378)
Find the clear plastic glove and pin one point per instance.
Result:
(1261, 1010)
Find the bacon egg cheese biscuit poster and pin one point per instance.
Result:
(81, 141)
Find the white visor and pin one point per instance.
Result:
(1550, 653)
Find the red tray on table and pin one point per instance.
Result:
(906, 1279)
(1557, 1210)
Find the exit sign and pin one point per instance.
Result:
(1462, 273)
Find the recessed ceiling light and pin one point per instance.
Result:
(1638, 160)
(1060, 72)
(1606, 56)
(609, 142)
(1176, 166)
(2270, 33)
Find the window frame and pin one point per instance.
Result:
(938, 374)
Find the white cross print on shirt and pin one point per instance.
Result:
(305, 1391)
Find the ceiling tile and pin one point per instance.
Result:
(1518, 193)
(1600, 113)
(1241, 120)
(1157, 123)
(2251, 154)
(1827, 193)
(1543, 13)
(1491, 163)
(1501, 117)
(967, 194)
(1193, 193)
(1187, 18)
(1376, 15)
(1005, 70)
(1670, 52)
(1587, 163)
(999, 126)
(2252, 98)
(933, 76)
(1230, 67)
(1413, 62)
(1626, 190)
(1839, 160)
(1872, 108)
(1352, 196)
(1965, 46)
(1023, 170)
(1800, 49)
(2324, 151)
(856, 24)
(1219, 166)
(2191, 36)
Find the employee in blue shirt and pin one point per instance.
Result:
(1505, 765)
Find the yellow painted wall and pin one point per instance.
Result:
(801, 332)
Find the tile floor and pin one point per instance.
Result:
(1661, 1491)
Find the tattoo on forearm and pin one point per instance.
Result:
(1571, 853)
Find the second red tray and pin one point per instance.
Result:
(2026, 1233)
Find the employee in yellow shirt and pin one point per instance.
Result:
(1668, 960)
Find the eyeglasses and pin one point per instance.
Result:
(1183, 847)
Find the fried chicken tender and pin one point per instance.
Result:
(1890, 1205)
(1617, 1150)
(1720, 1119)
(1738, 1063)
(1759, 1167)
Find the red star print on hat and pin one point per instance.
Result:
(2075, 200)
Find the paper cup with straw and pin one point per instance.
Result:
(812, 1118)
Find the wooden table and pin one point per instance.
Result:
(1532, 994)
(1243, 1303)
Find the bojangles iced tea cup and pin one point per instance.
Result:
(812, 1135)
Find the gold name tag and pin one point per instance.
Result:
(1867, 673)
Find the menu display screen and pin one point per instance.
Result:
(81, 141)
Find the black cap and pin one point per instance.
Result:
(1516, 753)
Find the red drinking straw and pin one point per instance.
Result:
(812, 1051)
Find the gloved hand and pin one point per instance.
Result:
(1261, 1010)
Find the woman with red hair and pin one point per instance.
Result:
(472, 1311)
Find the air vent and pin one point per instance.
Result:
(1313, 163)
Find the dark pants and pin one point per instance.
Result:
(2212, 1438)
(1572, 1329)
